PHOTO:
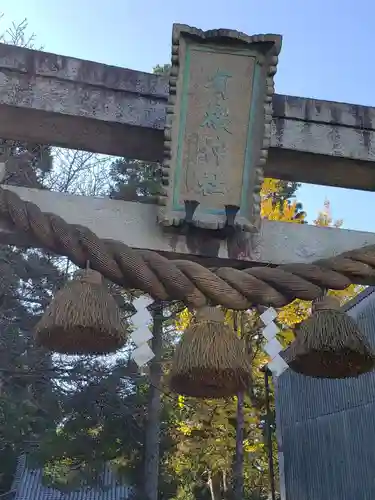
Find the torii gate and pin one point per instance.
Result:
(217, 128)
(67, 102)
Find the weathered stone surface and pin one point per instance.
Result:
(85, 105)
(135, 224)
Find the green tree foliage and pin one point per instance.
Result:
(162, 69)
(133, 180)
(100, 422)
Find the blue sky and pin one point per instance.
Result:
(326, 54)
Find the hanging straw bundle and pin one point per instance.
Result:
(83, 318)
(329, 345)
(210, 360)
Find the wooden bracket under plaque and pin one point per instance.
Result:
(218, 127)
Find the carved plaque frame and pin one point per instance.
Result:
(189, 174)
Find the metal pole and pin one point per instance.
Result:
(269, 435)
(238, 479)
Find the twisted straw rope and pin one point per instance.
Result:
(185, 280)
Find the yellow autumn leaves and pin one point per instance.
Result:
(284, 213)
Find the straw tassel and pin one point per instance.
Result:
(210, 361)
(329, 344)
(83, 318)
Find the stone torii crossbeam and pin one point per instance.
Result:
(67, 102)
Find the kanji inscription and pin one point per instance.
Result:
(217, 139)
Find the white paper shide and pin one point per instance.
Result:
(273, 347)
(143, 353)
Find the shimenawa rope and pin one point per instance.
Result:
(185, 280)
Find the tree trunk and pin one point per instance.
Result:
(238, 463)
(152, 437)
(214, 484)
